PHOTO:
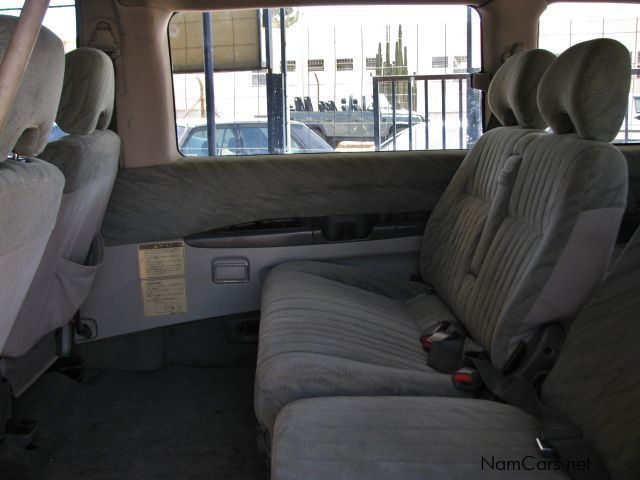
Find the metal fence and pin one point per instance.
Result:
(410, 94)
(632, 116)
(405, 92)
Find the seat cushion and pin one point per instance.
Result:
(330, 329)
(404, 438)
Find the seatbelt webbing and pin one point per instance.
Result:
(561, 435)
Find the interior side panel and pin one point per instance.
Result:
(196, 195)
(116, 305)
(632, 154)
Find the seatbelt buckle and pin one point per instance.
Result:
(467, 379)
(437, 335)
(429, 340)
(544, 449)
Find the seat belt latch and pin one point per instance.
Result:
(429, 340)
(467, 379)
(437, 335)
(544, 449)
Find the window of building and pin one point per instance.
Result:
(440, 62)
(258, 79)
(565, 24)
(343, 64)
(334, 56)
(316, 65)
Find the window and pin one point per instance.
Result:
(315, 65)
(255, 139)
(460, 64)
(197, 145)
(344, 64)
(334, 56)
(60, 19)
(258, 79)
(565, 24)
(439, 62)
(303, 140)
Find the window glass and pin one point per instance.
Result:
(304, 139)
(255, 140)
(195, 142)
(60, 18)
(336, 94)
(565, 24)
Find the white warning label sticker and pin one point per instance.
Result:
(164, 296)
(159, 260)
(162, 279)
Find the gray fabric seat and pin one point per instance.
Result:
(30, 189)
(408, 438)
(503, 251)
(88, 157)
(359, 337)
(595, 385)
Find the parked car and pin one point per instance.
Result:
(246, 138)
(418, 139)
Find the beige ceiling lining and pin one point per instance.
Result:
(200, 5)
(185, 5)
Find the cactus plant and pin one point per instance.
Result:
(398, 67)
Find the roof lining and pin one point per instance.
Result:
(200, 5)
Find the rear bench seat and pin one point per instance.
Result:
(595, 385)
(520, 238)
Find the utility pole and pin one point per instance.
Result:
(208, 82)
(473, 103)
(275, 101)
(283, 69)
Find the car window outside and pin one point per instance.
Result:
(330, 84)
(564, 24)
(60, 18)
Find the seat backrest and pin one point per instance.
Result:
(88, 157)
(595, 383)
(510, 260)
(30, 190)
(454, 229)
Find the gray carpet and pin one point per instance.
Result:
(178, 423)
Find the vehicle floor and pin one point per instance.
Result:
(178, 423)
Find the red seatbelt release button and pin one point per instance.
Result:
(467, 379)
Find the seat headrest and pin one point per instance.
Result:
(28, 125)
(513, 89)
(88, 92)
(585, 90)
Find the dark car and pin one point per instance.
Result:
(247, 138)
